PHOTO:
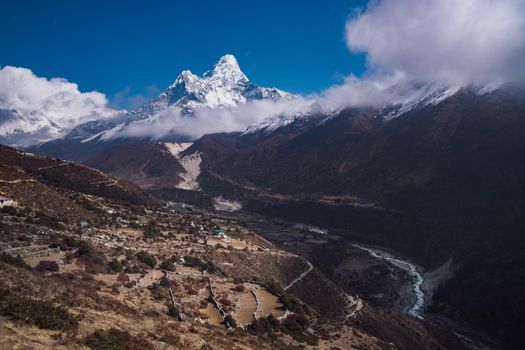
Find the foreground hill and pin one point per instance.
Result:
(21, 168)
(139, 275)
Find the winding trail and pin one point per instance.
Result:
(310, 268)
(411, 269)
(17, 181)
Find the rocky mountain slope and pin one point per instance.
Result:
(25, 172)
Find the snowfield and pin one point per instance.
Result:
(191, 164)
(222, 204)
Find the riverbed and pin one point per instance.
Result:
(412, 270)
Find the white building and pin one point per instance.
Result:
(6, 202)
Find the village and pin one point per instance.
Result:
(192, 269)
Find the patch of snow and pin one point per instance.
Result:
(176, 148)
(23, 129)
(310, 228)
(222, 204)
(191, 164)
(429, 95)
(309, 112)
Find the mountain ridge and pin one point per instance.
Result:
(222, 86)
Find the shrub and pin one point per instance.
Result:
(157, 291)
(173, 311)
(49, 221)
(45, 265)
(228, 320)
(130, 284)
(238, 288)
(147, 258)
(122, 278)
(9, 210)
(208, 265)
(167, 265)
(264, 326)
(85, 248)
(70, 241)
(43, 314)
(94, 264)
(225, 302)
(94, 261)
(290, 302)
(150, 230)
(192, 261)
(307, 338)
(164, 281)
(115, 265)
(14, 260)
(114, 339)
(57, 243)
(130, 268)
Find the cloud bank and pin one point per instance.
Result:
(206, 121)
(455, 42)
(412, 47)
(57, 99)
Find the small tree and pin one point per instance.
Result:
(150, 230)
(167, 265)
(147, 258)
(115, 265)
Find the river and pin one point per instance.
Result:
(416, 278)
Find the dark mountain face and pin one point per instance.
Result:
(434, 159)
(146, 164)
(450, 178)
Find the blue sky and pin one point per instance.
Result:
(138, 47)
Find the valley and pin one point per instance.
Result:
(379, 276)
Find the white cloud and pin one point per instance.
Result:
(371, 91)
(57, 99)
(206, 120)
(455, 42)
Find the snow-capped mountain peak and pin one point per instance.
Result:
(227, 69)
(27, 128)
(185, 76)
(224, 85)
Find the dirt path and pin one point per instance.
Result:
(17, 181)
(310, 268)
